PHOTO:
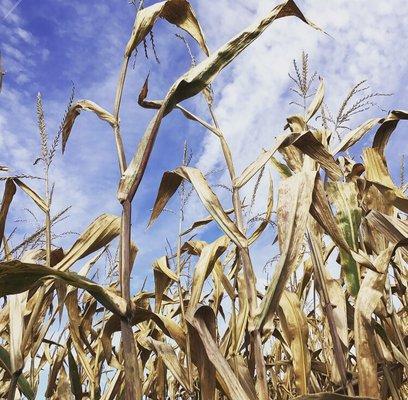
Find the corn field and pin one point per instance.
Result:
(214, 332)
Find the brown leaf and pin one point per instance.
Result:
(170, 183)
(76, 109)
(98, 234)
(294, 325)
(177, 12)
(9, 192)
(208, 258)
(201, 321)
(31, 193)
(295, 197)
(376, 172)
(17, 277)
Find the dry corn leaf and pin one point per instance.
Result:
(55, 367)
(295, 329)
(17, 277)
(163, 276)
(169, 185)
(386, 129)
(9, 192)
(283, 170)
(74, 377)
(171, 361)
(393, 228)
(206, 369)
(295, 197)
(244, 375)
(316, 102)
(98, 234)
(388, 125)
(76, 109)
(368, 298)
(79, 341)
(322, 213)
(355, 135)
(309, 145)
(376, 172)
(31, 193)
(208, 258)
(204, 221)
(201, 321)
(16, 329)
(177, 12)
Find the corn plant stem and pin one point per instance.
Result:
(234, 329)
(118, 101)
(180, 293)
(13, 385)
(133, 376)
(255, 336)
(328, 308)
(133, 379)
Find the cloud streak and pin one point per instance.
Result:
(12, 9)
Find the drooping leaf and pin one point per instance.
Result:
(376, 172)
(9, 192)
(74, 377)
(386, 129)
(177, 12)
(75, 110)
(163, 276)
(170, 183)
(204, 221)
(309, 145)
(31, 193)
(200, 321)
(17, 277)
(98, 234)
(208, 257)
(367, 300)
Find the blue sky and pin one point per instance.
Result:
(47, 44)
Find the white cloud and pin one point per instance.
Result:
(252, 100)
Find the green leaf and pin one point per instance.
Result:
(22, 382)
(344, 197)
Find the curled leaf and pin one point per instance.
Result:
(76, 109)
(177, 12)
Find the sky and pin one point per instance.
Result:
(46, 45)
